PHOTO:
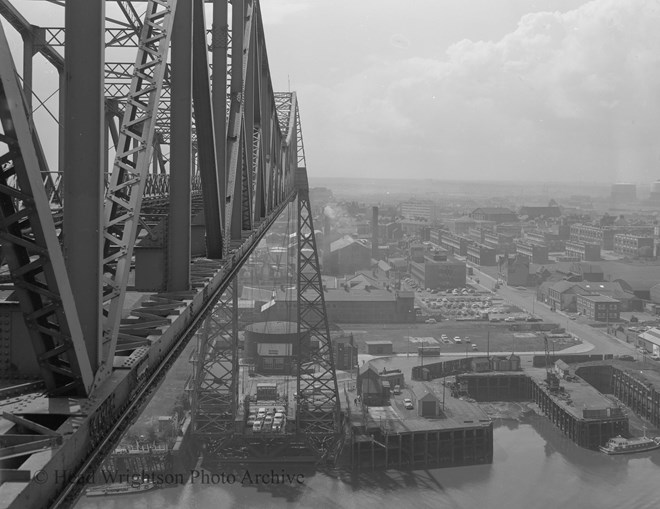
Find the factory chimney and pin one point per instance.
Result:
(326, 226)
(374, 234)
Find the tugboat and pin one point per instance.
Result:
(621, 445)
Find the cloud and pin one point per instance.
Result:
(275, 12)
(563, 95)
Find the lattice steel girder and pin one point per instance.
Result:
(22, 26)
(114, 37)
(128, 179)
(215, 395)
(118, 402)
(206, 138)
(84, 163)
(219, 96)
(31, 247)
(178, 251)
(317, 409)
(242, 20)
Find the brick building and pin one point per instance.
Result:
(599, 308)
(582, 251)
(534, 252)
(481, 255)
(633, 246)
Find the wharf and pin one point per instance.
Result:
(453, 432)
(578, 409)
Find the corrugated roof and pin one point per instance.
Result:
(612, 288)
(563, 286)
(599, 298)
(651, 335)
(345, 241)
(421, 392)
(384, 266)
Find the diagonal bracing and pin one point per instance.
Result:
(127, 182)
(31, 248)
(318, 401)
(215, 397)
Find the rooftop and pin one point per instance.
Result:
(598, 298)
(494, 210)
(576, 396)
(273, 327)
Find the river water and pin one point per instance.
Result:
(534, 467)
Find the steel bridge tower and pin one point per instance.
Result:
(219, 414)
(168, 168)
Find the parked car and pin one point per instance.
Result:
(278, 421)
(408, 403)
(268, 423)
(474, 347)
(431, 320)
(457, 339)
(626, 358)
(256, 427)
(251, 420)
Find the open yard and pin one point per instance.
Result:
(486, 336)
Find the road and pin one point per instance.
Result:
(526, 299)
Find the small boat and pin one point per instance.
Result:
(108, 490)
(621, 445)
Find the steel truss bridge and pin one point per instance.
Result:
(172, 165)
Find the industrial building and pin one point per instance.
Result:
(272, 346)
(460, 225)
(495, 214)
(357, 300)
(633, 246)
(552, 240)
(617, 290)
(501, 243)
(456, 244)
(650, 341)
(439, 274)
(347, 256)
(599, 308)
(419, 210)
(481, 255)
(590, 234)
(562, 296)
(582, 251)
(604, 235)
(534, 252)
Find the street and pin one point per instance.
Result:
(526, 299)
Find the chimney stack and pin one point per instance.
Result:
(374, 234)
(326, 225)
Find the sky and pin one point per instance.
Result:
(523, 90)
(533, 90)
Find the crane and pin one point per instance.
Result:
(551, 377)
